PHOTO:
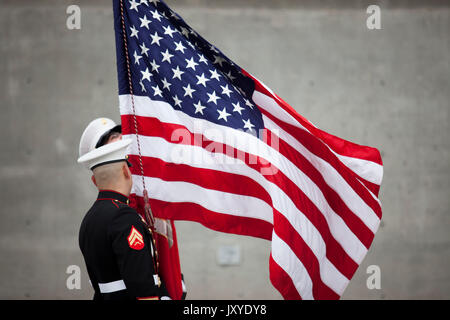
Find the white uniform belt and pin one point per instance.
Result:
(112, 286)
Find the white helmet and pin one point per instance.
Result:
(92, 152)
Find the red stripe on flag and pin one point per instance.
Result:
(373, 187)
(282, 282)
(214, 220)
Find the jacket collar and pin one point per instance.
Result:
(112, 195)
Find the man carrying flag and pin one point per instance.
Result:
(117, 246)
(214, 145)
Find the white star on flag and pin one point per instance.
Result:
(169, 31)
(144, 49)
(156, 15)
(247, 124)
(134, 5)
(188, 91)
(215, 75)
(166, 56)
(144, 22)
(223, 114)
(179, 47)
(177, 101)
(213, 97)
(191, 63)
(237, 108)
(154, 65)
(177, 73)
(157, 91)
(136, 57)
(155, 38)
(226, 90)
(199, 107)
(146, 75)
(134, 32)
(202, 80)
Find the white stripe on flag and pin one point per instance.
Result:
(218, 201)
(282, 255)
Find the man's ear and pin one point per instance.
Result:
(126, 171)
(93, 180)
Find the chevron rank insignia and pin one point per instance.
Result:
(135, 239)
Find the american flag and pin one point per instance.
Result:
(220, 148)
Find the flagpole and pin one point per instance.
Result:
(147, 210)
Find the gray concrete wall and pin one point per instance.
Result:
(386, 88)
